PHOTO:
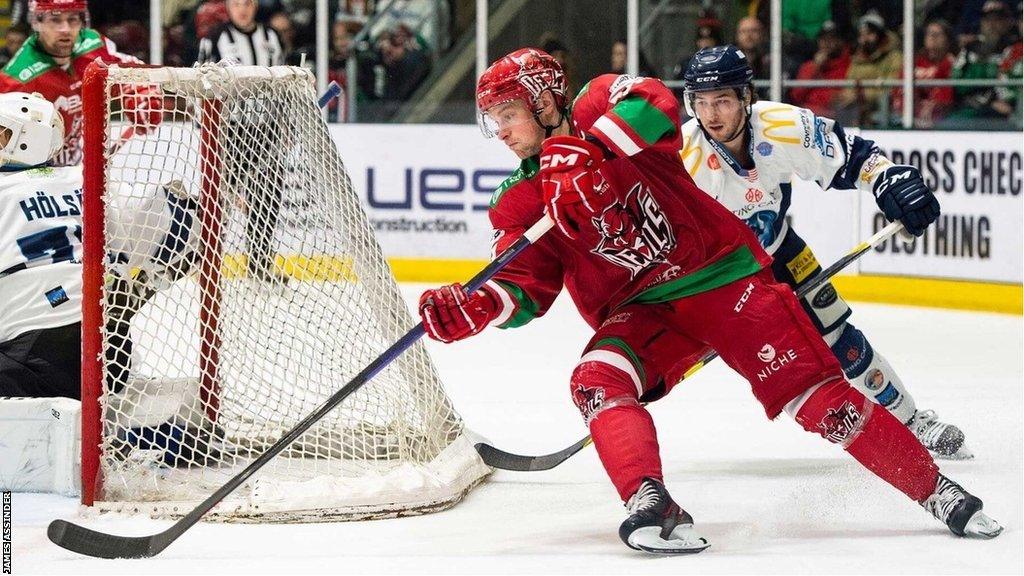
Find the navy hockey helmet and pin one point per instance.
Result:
(717, 68)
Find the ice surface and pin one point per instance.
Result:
(770, 497)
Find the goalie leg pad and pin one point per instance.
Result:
(41, 443)
(875, 438)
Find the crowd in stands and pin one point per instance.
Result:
(823, 40)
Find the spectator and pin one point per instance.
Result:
(343, 32)
(933, 62)
(750, 38)
(293, 44)
(981, 59)
(560, 52)
(619, 56)
(242, 39)
(830, 62)
(878, 56)
(393, 71)
(801, 22)
(13, 39)
(1008, 99)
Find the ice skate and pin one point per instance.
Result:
(656, 524)
(944, 441)
(960, 511)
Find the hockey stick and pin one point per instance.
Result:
(101, 545)
(500, 459)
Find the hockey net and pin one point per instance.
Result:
(231, 285)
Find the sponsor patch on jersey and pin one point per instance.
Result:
(825, 297)
(821, 141)
(802, 265)
(713, 162)
(765, 149)
(874, 380)
(754, 195)
(838, 425)
(57, 296)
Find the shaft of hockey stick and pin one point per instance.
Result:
(101, 545)
(502, 460)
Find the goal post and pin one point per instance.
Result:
(231, 283)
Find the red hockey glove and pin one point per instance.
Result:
(143, 106)
(448, 314)
(567, 166)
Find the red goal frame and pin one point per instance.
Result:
(96, 144)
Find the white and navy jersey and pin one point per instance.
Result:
(261, 47)
(40, 249)
(785, 141)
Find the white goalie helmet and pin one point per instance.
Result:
(33, 128)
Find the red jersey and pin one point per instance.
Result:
(33, 70)
(662, 239)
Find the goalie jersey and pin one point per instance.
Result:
(40, 249)
(785, 141)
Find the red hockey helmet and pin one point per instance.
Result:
(37, 7)
(522, 75)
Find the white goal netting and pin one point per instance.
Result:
(241, 287)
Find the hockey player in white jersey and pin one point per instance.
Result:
(745, 154)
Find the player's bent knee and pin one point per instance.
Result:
(835, 410)
(41, 445)
(598, 385)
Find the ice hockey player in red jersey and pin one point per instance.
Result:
(52, 61)
(661, 272)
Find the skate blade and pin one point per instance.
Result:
(684, 541)
(982, 527)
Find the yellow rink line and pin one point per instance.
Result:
(955, 294)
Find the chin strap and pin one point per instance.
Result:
(562, 115)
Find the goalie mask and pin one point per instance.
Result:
(31, 130)
(522, 75)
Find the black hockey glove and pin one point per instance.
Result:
(902, 195)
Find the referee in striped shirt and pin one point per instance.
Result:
(253, 163)
(242, 39)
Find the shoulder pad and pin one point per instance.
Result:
(29, 62)
(88, 41)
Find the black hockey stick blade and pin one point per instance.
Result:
(99, 545)
(496, 458)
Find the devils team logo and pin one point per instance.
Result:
(634, 232)
(838, 425)
(588, 400)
